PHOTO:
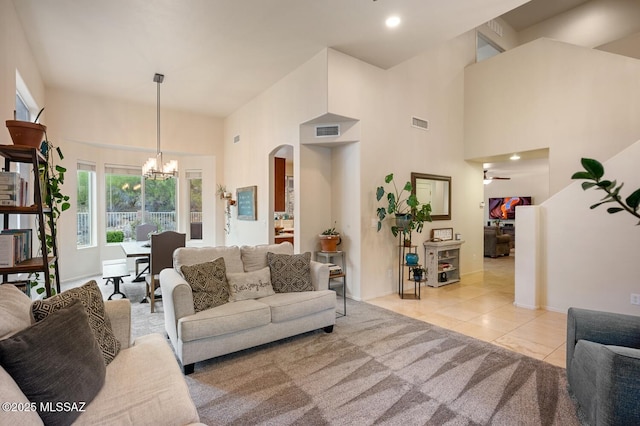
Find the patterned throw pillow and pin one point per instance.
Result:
(208, 283)
(56, 360)
(290, 272)
(249, 285)
(91, 298)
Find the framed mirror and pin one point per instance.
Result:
(433, 189)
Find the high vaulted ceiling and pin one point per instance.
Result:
(218, 54)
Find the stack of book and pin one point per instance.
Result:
(15, 246)
(13, 189)
(334, 270)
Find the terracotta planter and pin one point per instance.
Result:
(26, 133)
(329, 243)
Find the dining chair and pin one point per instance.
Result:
(142, 234)
(163, 245)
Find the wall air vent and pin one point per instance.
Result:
(236, 139)
(326, 131)
(419, 123)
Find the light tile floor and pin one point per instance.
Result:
(481, 306)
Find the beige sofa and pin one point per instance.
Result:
(239, 325)
(143, 384)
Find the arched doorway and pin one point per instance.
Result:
(281, 197)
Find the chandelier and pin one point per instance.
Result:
(154, 168)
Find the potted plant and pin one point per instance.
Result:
(409, 213)
(329, 240)
(51, 180)
(418, 273)
(27, 133)
(593, 173)
(222, 192)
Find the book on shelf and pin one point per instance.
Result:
(21, 244)
(334, 269)
(13, 189)
(7, 253)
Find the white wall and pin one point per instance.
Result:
(16, 55)
(591, 257)
(429, 86)
(109, 131)
(547, 94)
(590, 24)
(272, 119)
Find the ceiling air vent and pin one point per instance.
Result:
(328, 131)
(236, 139)
(419, 123)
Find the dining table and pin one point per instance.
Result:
(137, 249)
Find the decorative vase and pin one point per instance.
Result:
(411, 258)
(26, 133)
(417, 275)
(329, 243)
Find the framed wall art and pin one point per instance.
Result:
(247, 203)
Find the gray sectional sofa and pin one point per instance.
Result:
(238, 325)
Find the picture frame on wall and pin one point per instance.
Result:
(246, 201)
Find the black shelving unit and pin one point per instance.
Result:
(43, 213)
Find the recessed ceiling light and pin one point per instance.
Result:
(514, 157)
(392, 21)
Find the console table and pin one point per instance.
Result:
(442, 259)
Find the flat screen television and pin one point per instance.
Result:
(505, 208)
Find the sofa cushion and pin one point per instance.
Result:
(144, 386)
(255, 257)
(91, 298)
(289, 306)
(249, 285)
(9, 391)
(56, 360)
(290, 273)
(224, 319)
(15, 310)
(208, 283)
(194, 255)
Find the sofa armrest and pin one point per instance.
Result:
(319, 275)
(177, 301)
(119, 313)
(605, 382)
(606, 328)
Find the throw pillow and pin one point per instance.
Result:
(208, 283)
(15, 310)
(91, 298)
(249, 285)
(255, 257)
(56, 361)
(290, 272)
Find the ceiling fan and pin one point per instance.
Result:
(487, 180)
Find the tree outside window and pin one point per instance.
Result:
(86, 176)
(125, 191)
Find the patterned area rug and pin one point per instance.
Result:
(378, 367)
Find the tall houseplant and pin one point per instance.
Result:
(593, 173)
(410, 214)
(51, 180)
